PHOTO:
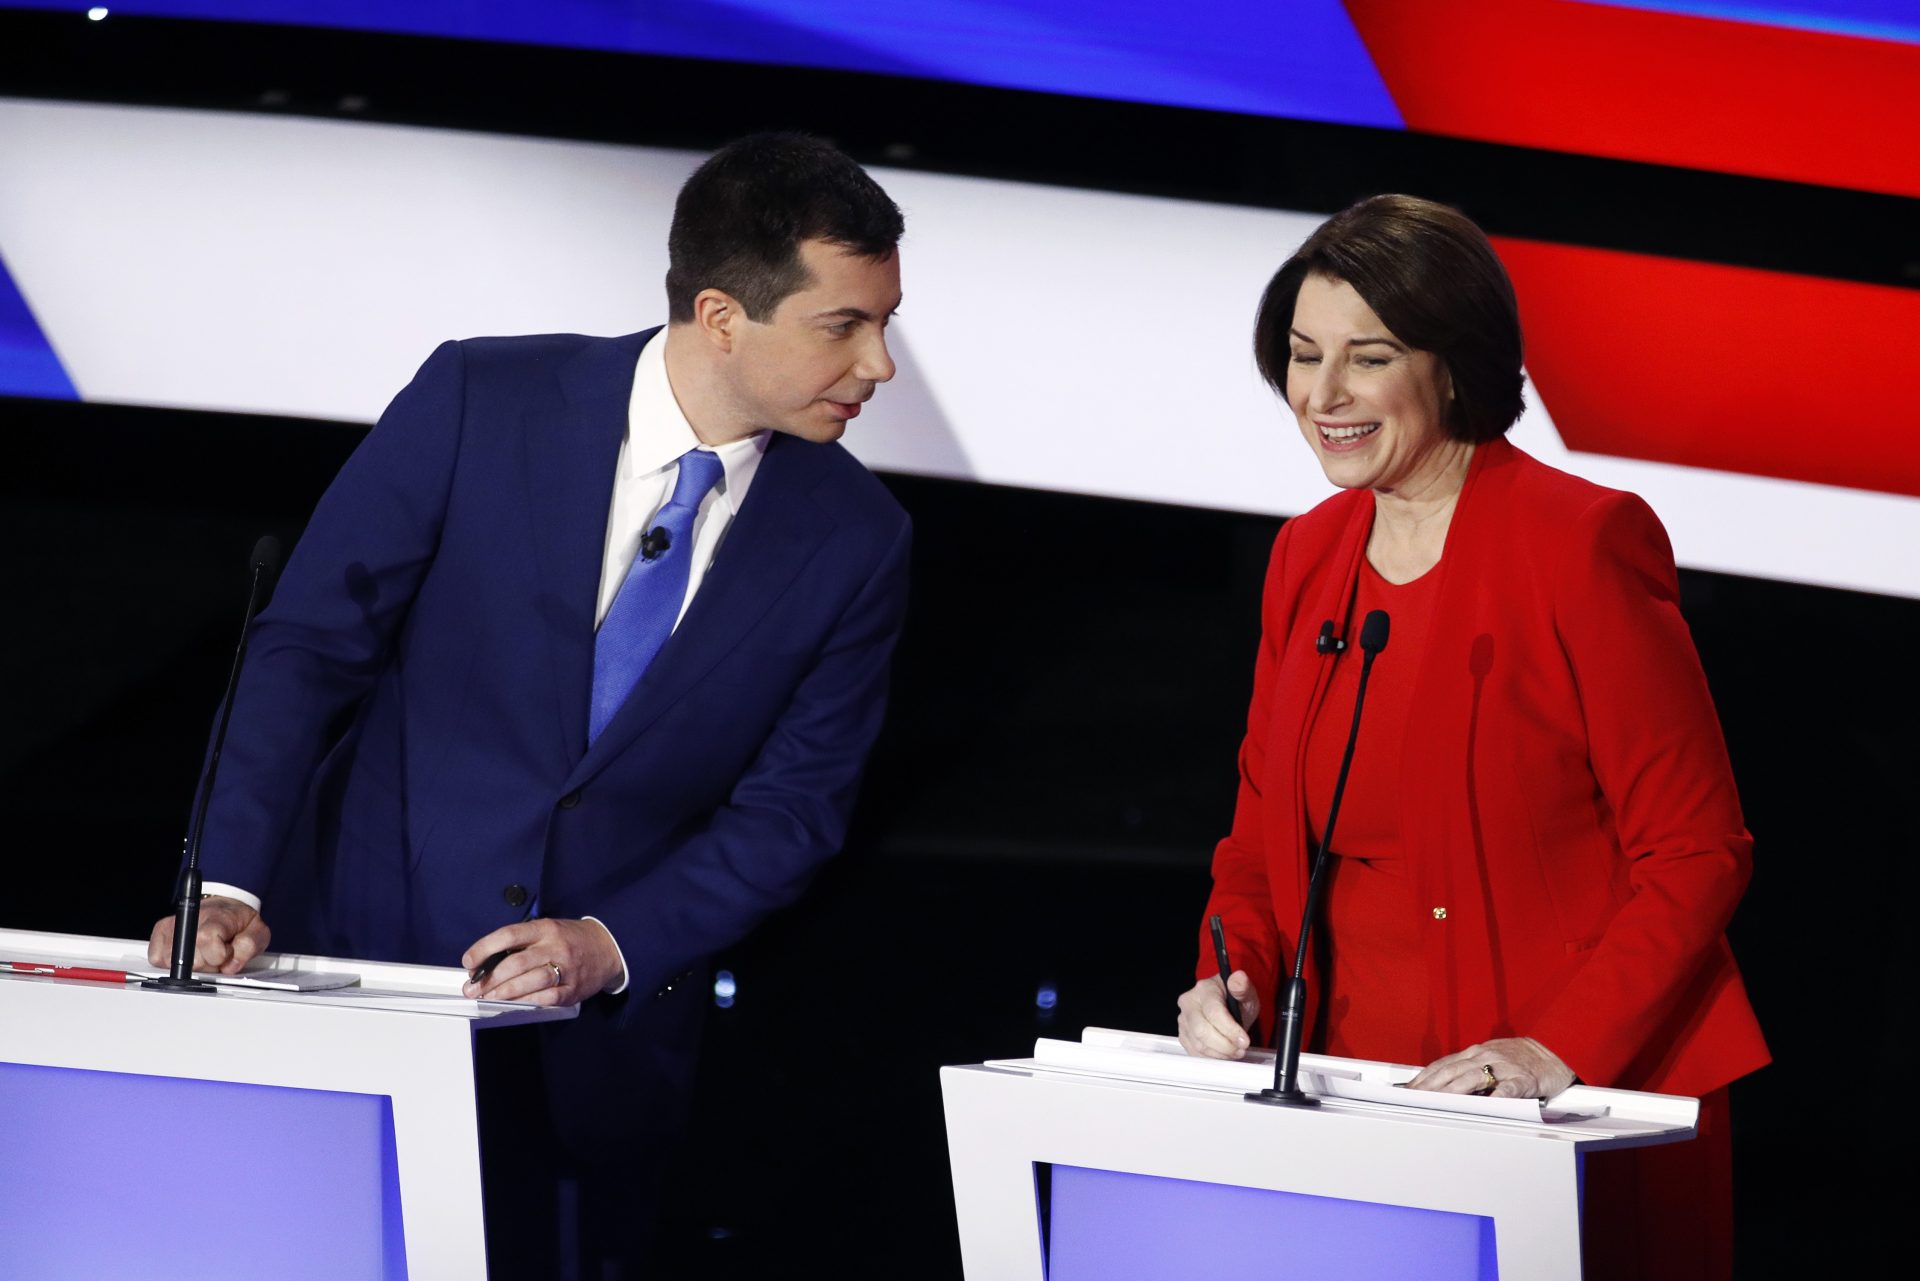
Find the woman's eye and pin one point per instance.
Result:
(1305, 358)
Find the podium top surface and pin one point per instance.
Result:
(1590, 1116)
(432, 990)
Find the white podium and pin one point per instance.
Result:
(283, 1120)
(1372, 1184)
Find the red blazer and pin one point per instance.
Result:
(1572, 825)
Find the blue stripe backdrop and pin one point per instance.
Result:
(28, 365)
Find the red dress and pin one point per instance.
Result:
(1571, 843)
(1374, 989)
(1667, 1210)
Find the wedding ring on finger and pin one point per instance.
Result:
(1487, 1079)
(559, 978)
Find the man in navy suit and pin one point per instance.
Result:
(581, 656)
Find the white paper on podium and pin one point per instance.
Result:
(1340, 1085)
(136, 966)
(1156, 1058)
(428, 991)
(275, 980)
(314, 980)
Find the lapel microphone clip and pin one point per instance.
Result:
(657, 540)
(1328, 643)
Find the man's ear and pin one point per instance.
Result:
(717, 317)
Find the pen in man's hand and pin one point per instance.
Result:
(1226, 966)
(485, 967)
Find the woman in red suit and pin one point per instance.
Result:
(1540, 842)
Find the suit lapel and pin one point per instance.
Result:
(778, 530)
(569, 459)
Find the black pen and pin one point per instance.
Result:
(1226, 966)
(485, 967)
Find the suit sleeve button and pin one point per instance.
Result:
(570, 800)
(516, 895)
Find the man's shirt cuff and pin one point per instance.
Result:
(621, 986)
(209, 889)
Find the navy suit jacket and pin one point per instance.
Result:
(409, 739)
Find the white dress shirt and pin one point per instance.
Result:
(643, 478)
(649, 464)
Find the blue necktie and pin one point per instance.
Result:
(643, 613)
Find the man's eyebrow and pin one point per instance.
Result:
(851, 313)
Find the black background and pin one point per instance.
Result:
(1069, 692)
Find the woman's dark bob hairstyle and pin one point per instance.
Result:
(1430, 275)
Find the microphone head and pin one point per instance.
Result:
(266, 554)
(264, 564)
(1373, 632)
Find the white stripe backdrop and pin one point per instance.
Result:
(1051, 338)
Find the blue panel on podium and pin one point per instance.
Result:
(109, 1174)
(1121, 1227)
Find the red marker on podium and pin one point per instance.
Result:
(51, 970)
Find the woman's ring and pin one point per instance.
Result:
(559, 978)
(1488, 1080)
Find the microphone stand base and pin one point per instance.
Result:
(1294, 1098)
(171, 984)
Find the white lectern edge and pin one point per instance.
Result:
(420, 1056)
(1004, 1116)
(1632, 1118)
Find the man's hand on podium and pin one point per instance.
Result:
(231, 934)
(1207, 1029)
(549, 962)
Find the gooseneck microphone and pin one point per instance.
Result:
(1292, 1012)
(263, 564)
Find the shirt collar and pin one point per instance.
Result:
(658, 431)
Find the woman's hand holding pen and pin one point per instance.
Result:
(1207, 1030)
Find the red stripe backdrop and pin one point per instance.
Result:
(1703, 93)
(1723, 367)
